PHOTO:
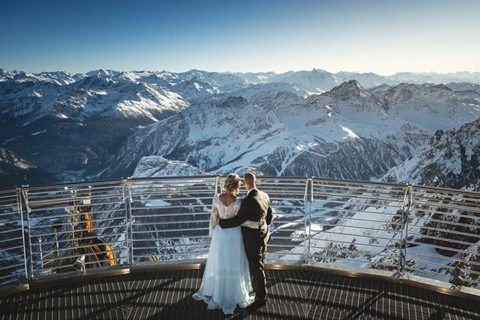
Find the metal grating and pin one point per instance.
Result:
(293, 294)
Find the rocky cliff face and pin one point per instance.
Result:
(449, 158)
(16, 171)
(157, 166)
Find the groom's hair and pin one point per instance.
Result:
(249, 178)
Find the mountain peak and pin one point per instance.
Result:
(348, 89)
(382, 88)
(318, 70)
(101, 73)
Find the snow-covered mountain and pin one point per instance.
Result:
(100, 124)
(432, 106)
(464, 86)
(433, 77)
(97, 94)
(193, 85)
(56, 77)
(157, 166)
(347, 132)
(69, 127)
(318, 81)
(449, 159)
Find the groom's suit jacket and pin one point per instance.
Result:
(255, 206)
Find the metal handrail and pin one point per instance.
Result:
(149, 220)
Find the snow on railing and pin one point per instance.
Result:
(428, 232)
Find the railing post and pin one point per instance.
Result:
(40, 249)
(28, 252)
(22, 223)
(217, 185)
(308, 197)
(406, 207)
(128, 220)
(310, 204)
(407, 218)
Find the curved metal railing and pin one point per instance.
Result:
(409, 230)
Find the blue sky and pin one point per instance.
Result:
(359, 35)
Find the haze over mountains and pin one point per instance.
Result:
(318, 80)
(111, 124)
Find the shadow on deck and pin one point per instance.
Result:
(294, 294)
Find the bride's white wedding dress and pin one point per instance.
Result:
(226, 280)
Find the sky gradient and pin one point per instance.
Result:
(364, 36)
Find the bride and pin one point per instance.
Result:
(226, 279)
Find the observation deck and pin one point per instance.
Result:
(135, 249)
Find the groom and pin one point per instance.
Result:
(255, 207)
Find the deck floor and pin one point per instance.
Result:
(293, 294)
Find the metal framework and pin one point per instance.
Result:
(404, 229)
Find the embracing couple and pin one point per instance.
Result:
(234, 273)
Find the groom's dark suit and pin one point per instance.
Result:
(255, 206)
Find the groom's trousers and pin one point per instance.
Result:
(255, 247)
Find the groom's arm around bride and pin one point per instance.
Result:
(255, 207)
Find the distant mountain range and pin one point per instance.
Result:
(318, 80)
(110, 124)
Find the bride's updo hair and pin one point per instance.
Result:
(231, 183)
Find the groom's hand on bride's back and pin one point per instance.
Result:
(270, 215)
(224, 224)
(221, 223)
